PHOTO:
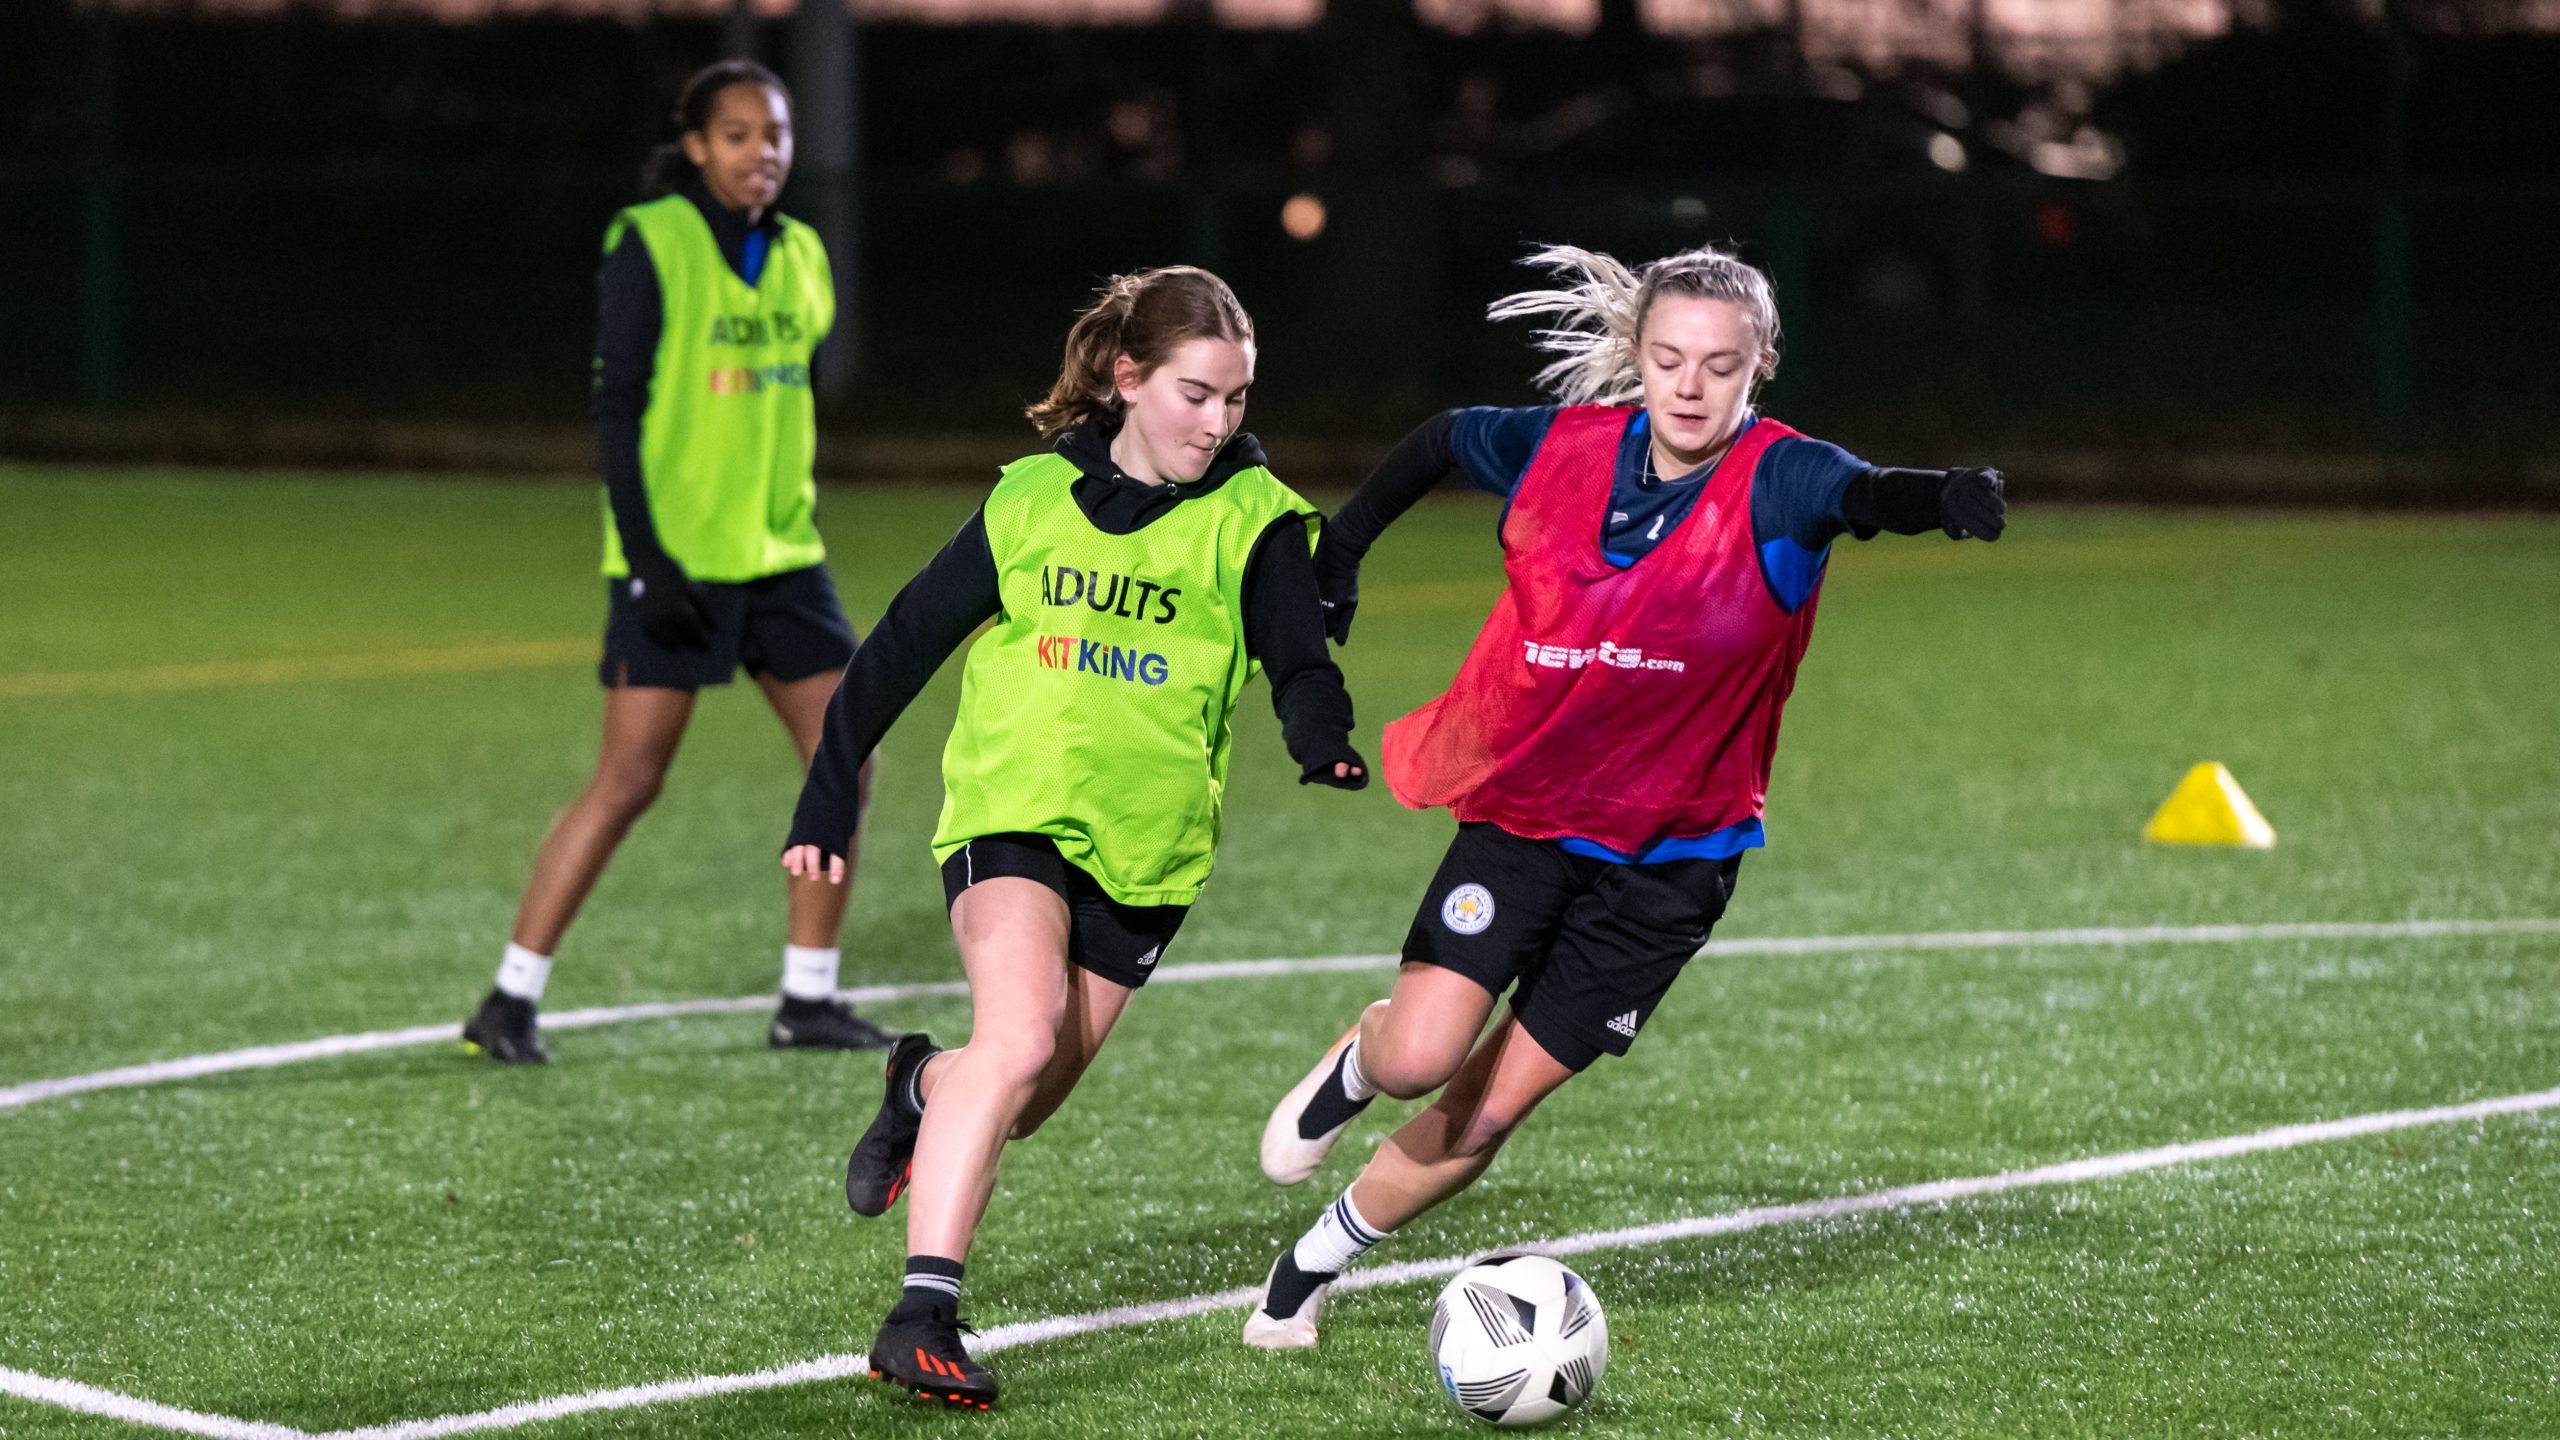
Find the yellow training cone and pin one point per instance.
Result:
(2209, 808)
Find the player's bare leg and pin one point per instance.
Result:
(1033, 1029)
(1405, 1046)
(1094, 1005)
(642, 727)
(1433, 1156)
(1012, 935)
(1442, 1150)
(811, 1017)
(882, 1163)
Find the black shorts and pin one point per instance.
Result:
(1593, 944)
(1120, 943)
(789, 626)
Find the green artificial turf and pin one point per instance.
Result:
(192, 864)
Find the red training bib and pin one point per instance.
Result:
(1619, 706)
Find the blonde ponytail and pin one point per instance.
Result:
(1145, 316)
(1596, 315)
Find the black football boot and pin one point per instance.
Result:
(823, 1025)
(877, 1174)
(503, 1029)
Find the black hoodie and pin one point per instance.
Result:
(957, 591)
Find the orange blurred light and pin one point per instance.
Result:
(1303, 217)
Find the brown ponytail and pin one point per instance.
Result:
(1145, 316)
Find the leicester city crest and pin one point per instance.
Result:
(1468, 909)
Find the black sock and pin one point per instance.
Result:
(1290, 1286)
(1329, 1107)
(933, 1289)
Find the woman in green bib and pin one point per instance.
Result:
(1138, 574)
(710, 306)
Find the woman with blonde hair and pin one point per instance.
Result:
(1139, 573)
(1606, 744)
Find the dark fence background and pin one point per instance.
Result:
(2388, 325)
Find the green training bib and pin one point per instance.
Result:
(1096, 709)
(731, 432)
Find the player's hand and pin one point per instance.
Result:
(1974, 505)
(1340, 767)
(668, 605)
(1337, 585)
(809, 862)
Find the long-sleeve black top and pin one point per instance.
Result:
(958, 590)
(630, 315)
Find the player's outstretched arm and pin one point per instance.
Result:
(1968, 503)
(954, 594)
(1419, 461)
(1284, 628)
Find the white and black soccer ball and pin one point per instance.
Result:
(1518, 1339)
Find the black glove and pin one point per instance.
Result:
(668, 606)
(1973, 504)
(1337, 586)
(1319, 771)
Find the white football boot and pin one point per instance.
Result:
(1296, 1332)
(1287, 1156)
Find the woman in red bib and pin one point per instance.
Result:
(1606, 744)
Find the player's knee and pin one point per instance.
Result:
(1400, 1079)
(1020, 1060)
(626, 790)
(1056, 1083)
(1408, 1072)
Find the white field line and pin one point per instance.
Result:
(1934, 1192)
(2138, 935)
(268, 1057)
(90, 1400)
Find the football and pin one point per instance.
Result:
(1518, 1339)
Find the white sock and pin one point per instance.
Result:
(1340, 1236)
(1355, 1086)
(809, 973)
(523, 973)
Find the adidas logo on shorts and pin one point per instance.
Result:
(1625, 1024)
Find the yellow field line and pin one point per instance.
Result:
(508, 655)
(290, 669)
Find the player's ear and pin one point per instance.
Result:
(1125, 377)
(697, 148)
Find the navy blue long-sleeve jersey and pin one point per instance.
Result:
(1795, 494)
